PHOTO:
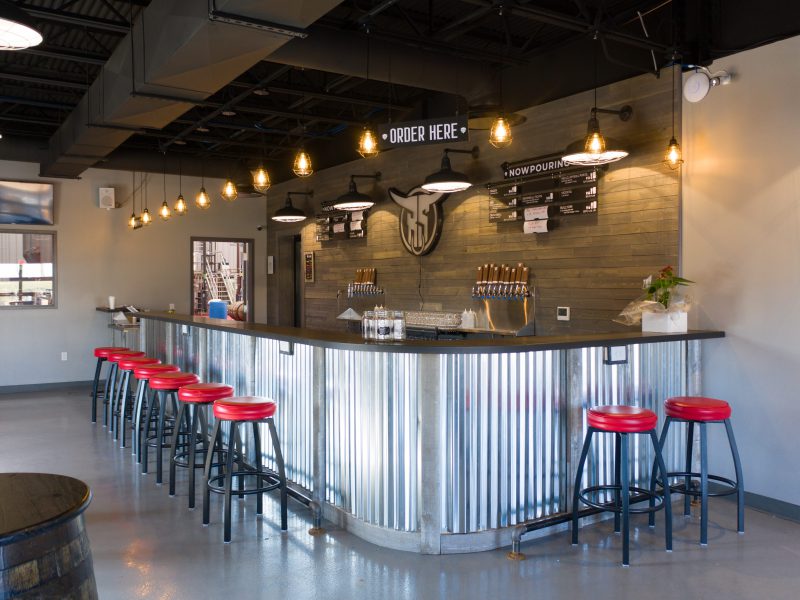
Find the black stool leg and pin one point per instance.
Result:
(282, 473)
(107, 397)
(257, 465)
(737, 465)
(143, 444)
(617, 463)
(703, 485)
(234, 426)
(687, 481)
(117, 415)
(95, 384)
(651, 520)
(207, 471)
(162, 416)
(625, 483)
(144, 429)
(194, 412)
(576, 491)
(138, 402)
(173, 447)
(667, 498)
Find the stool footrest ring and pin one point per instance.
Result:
(680, 488)
(260, 489)
(638, 495)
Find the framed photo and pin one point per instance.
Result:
(308, 267)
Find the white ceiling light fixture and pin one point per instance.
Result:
(17, 29)
(354, 200)
(290, 214)
(699, 83)
(445, 179)
(596, 149)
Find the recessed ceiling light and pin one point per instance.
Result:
(202, 129)
(229, 113)
(261, 92)
(179, 143)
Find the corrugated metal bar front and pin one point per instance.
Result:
(288, 379)
(653, 373)
(504, 426)
(372, 445)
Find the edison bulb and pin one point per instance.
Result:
(595, 143)
(180, 206)
(146, 218)
(132, 221)
(202, 200)
(367, 144)
(673, 157)
(500, 133)
(302, 164)
(164, 212)
(229, 191)
(261, 181)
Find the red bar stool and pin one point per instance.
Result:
(166, 386)
(101, 354)
(109, 401)
(702, 411)
(235, 412)
(140, 404)
(126, 367)
(621, 421)
(194, 401)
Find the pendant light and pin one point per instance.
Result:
(595, 149)
(146, 217)
(445, 179)
(261, 181)
(202, 200)
(673, 157)
(368, 141)
(164, 212)
(302, 164)
(353, 199)
(17, 29)
(229, 191)
(500, 133)
(180, 203)
(134, 220)
(290, 214)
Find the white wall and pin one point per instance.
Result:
(741, 243)
(98, 256)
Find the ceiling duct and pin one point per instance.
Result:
(174, 52)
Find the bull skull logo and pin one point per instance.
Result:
(420, 219)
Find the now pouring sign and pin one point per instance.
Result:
(445, 130)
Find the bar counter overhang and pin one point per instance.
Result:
(435, 446)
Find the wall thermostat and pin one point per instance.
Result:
(562, 313)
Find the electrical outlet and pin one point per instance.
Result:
(562, 313)
(63, 356)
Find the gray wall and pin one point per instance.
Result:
(99, 256)
(741, 240)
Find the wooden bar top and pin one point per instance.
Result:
(350, 341)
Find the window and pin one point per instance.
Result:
(27, 269)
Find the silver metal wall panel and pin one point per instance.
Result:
(372, 436)
(504, 429)
(653, 373)
(288, 379)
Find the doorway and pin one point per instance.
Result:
(222, 270)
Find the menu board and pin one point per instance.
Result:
(543, 197)
(341, 225)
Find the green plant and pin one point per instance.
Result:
(661, 288)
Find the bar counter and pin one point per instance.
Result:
(434, 446)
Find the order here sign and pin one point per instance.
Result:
(446, 130)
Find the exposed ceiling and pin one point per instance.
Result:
(218, 94)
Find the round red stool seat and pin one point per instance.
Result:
(147, 371)
(697, 408)
(115, 357)
(244, 408)
(106, 350)
(172, 381)
(622, 419)
(204, 393)
(128, 364)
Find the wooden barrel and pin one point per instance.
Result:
(237, 311)
(44, 549)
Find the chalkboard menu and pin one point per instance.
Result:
(341, 225)
(543, 197)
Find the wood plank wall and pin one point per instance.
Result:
(591, 263)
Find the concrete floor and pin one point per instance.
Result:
(148, 545)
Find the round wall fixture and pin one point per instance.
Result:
(698, 84)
